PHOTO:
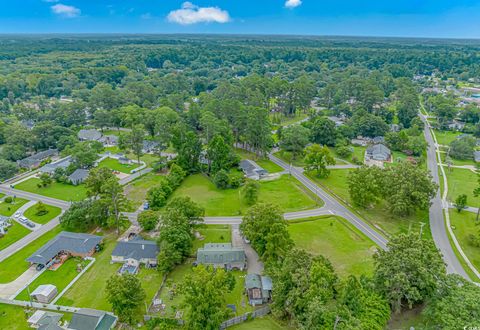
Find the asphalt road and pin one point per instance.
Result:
(331, 204)
(437, 222)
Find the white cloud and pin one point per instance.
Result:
(65, 11)
(191, 14)
(293, 3)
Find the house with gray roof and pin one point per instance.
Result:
(89, 135)
(45, 320)
(109, 140)
(222, 255)
(135, 252)
(35, 160)
(378, 139)
(258, 289)
(92, 319)
(476, 156)
(78, 176)
(51, 167)
(72, 244)
(252, 170)
(149, 146)
(378, 152)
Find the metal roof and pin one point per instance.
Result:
(44, 290)
(91, 319)
(218, 253)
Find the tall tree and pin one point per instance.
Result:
(126, 295)
(317, 158)
(294, 139)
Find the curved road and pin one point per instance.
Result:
(437, 222)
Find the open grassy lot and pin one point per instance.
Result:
(462, 181)
(266, 163)
(287, 157)
(279, 119)
(31, 213)
(115, 165)
(457, 162)
(63, 191)
(60, 277)
(13, 317)
(15, 265)
(446, 137)
(89, 290)
(378, 216)
(261, 323)
(8, 209)
(463, 225)
(15, 232)
(212, 234)
(333, 237)
(285, 191)
(137, 190)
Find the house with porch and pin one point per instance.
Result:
(134, 253)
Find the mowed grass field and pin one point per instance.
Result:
(31, 213)
(261, 323)
(89, 290)
(15, 232)
(63, 191)
(136, 191)
(212, 234)
(463, 225)
(15, 265)
(285, 191)
(13, 318)
(8, 209)
(462, 181)
(115, 165)
(60, 277)
(379, 216)
(446, 137)
(348, 249)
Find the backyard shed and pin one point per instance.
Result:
(44, 293)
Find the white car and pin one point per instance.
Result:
(17, 215)
(23, 219)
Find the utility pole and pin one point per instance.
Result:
(421, 228)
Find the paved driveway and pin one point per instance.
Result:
(255, 266)
(7, 290)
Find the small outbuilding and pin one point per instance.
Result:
(78, 176)
(258, 289)
(252, 170)
(44, 293)
(222, 255)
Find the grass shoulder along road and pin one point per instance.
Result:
(446, 137)
(348, 249)
(15, 265)
(15, 232)
(285, 191)
(462, 181)
(52, 212)
(62, 191)
(8, 209)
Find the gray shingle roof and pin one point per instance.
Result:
(65, 241)
(50, 168)
(251, 168)
(79, 175)
(91, 319)
(136, 249)
(378, 152)
(38, 157)
(89, 135)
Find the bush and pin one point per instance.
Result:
(235, 179)
(41, 209)
(344, 152)
(8, 199)
(148, 220)
(221, 179)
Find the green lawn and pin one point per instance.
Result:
(60, 277)
(15, 265)
(457, 162)
(279, 119)
(13, 318)
(379, 217)
(463, 224)
(89, 290)
(287, 157)
(15, 232)
(53, 211)
(137, 190)
(408, 319)
(63, 191)
(462, 181)
(173, 300)
(7, 209)
(261, 323)
(348, 249)
(212, 234)
(266, 163)
(115, 165)
(285, 191)
(446, 137)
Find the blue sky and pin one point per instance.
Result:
(427, 18)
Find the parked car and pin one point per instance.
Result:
(39, 267)
(30, 224)
(17, 215)
(146, 206)
(23, 219)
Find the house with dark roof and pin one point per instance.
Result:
(78, 176)
(72, 244)
(252, 170)
(149, 146)
(378, 139)
(92, 319)
(45, 320)
(109, 140)
(378, 152)
(35, 160)
(258, 289)
(51, 167)
(89, 135)
(135, 252)
(222, 255)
